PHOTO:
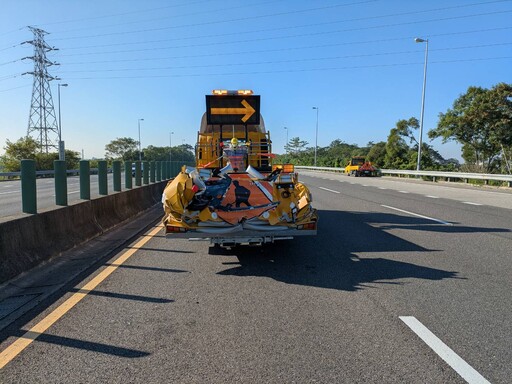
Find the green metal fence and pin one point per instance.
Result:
(135, 173)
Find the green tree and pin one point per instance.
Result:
(397, 150)
(480, 120)
(44, 161)
(401, 155)
(24, 148)
(295, 146)
(377, 153)
(337, 154)
(406, 129)
(183, 153)
(152, 153)
(122, 148)
(28, 148)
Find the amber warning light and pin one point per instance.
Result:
(222, 92)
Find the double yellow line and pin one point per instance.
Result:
(24, 341)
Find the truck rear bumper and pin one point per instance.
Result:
(242, 236)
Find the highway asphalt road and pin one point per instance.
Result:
(404, 282)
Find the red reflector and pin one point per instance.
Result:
(170, 228)
(309, 226)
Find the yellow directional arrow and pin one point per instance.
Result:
(248, 111)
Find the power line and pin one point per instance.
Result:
(125, 13)
(9, 47)
(172, 17)
(237, 53)
(292, 70)
(12, 31)
(244, 32)
(224, 21)
(10, 89)
(290, 36)
(287, 61)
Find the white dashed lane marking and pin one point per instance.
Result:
(329, 190)
(417, 215)
(466, 371)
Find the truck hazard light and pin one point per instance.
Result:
(285, 168)
(308, 226)
(173, 229)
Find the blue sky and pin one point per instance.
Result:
(356, 60)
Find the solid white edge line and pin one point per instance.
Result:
(466, 371)
(330, 190)
(417, 215)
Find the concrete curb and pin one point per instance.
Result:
(27, 241)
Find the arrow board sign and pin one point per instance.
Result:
(232, 109)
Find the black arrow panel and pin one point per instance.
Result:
(233, 109)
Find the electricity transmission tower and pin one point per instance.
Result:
(42, 122)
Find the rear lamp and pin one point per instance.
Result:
(242, 92)
(308, 226)
(174, 229)
(285, 168)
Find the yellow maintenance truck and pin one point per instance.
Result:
(235, 195)
(358, 166)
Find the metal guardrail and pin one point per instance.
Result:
(144, 173)
(486, 177)
(75, 172)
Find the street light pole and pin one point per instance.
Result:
(316, 134)
(62, 153)
(140, 151)
(418, 40)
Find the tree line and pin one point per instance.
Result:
(480, 120)
(124, 149)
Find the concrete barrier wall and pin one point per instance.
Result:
(27, 241)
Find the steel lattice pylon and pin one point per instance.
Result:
(42, 122)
